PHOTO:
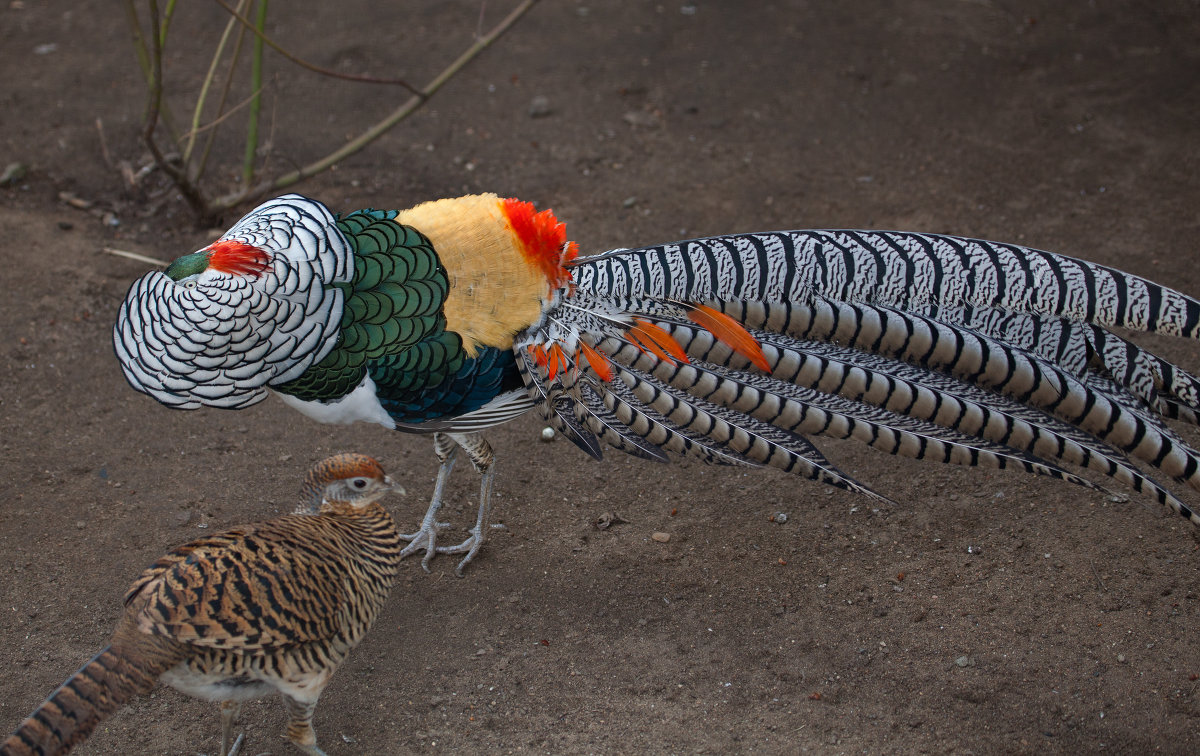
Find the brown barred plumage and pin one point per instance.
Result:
(273, 606)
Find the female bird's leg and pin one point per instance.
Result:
(426, 536)
(446, 446)
(229, 715)
(300, 730)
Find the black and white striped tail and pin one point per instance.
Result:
(931, 347)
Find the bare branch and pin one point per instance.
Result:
(190, 191)
(377, 130)
(135, 256)
(209, 77)
(248, 24)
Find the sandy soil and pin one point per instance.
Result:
(985, 613)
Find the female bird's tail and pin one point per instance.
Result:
(108, 681)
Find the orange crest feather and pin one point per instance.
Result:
(543, 240)
(237, 258)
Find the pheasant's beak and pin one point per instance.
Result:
(393, 485)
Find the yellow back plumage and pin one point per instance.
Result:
(495, 290)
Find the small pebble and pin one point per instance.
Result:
(13, 172)
(547, 434)
(539, 107)
(660, 536)
(640, 118)
(780, 517)
(76, 202)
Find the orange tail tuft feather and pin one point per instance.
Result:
(731, 332)
(557, 359)
(654, 340)
(598, 361)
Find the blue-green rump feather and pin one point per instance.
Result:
(479, 380)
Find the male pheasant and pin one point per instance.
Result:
(273, 606)
(460, 314)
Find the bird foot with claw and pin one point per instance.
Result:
(426, 538)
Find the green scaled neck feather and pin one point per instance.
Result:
(392, 311)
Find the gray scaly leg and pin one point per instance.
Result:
(426, 536)
(446, 446)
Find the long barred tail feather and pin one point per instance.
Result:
(644, 416)
(688, 424)
(606, 426)
(893, 397)
(888, 267)
(559, 410)
(926, 346)
(994, 365)
(100, 687)
(1082, 347)
(848, 413)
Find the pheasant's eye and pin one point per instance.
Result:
(359, 483)
(190, 284)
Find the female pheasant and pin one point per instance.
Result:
(460, 314)
(274, 606)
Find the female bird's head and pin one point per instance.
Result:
(353, 479)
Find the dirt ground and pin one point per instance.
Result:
(986, 613)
